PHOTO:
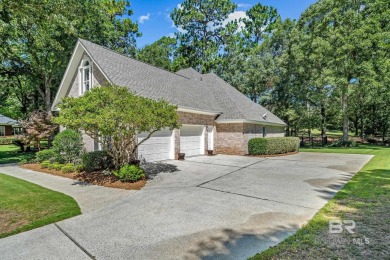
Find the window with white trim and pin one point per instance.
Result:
(85, 76)
(17, 130)
(2, 130)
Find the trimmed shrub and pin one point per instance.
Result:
(45, 164)
(69, 145)
(275, 145)
(6, 141)
(45, 155)
(79, 168)
(68, 168)
(58, 166)
(51, 166)
(98, 160)
(129, 173)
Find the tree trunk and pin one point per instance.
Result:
(47, 98)
(323, 122)
(344, 105)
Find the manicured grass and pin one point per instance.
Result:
(12, 154)
(365, 199)
(25, 206)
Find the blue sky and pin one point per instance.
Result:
(154, 21)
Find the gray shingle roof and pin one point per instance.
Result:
(236, 105)
(152, 82)
(4, 120)
(186, 88)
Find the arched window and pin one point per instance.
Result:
(85, 76)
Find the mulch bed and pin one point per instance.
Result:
(272, 155)
(96, 178)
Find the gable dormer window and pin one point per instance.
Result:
(85, 76)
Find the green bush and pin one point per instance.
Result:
(130, 173)
(45, 155)
(51, 166)
(275, 145)
(45, 164)
(79, 168)
(342, 143)
(68, 168)
(58, 166)
(69, 145)
(99, 160)
(6, 141)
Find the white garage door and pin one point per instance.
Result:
(192, 140)
(158, 147)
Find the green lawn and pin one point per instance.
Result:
(365, 199)
(25, 206)
(12, 154)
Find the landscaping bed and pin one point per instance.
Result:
(95, 177)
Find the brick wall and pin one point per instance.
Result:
(8, 130)
(195, 119)
(230, 139)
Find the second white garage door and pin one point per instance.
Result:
(192, 140)
(158, 147)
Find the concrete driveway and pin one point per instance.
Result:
(218, 207)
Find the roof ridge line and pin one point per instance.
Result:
(104, 47)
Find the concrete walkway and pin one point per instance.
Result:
(89, 197)
(218, 207)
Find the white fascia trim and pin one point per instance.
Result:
(53, 108)
(231, 121)
(197, 111)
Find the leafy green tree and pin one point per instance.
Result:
(159, 53)
(37, 38)
(350, 29)
(260, 20)
(112, 116)
(202, 23)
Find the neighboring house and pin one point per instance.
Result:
(214, 115)
(9, 126)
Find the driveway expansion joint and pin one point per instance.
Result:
(75, 242)
(219, 177)
(258, 198)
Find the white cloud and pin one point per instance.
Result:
(144, 18)
(237, 15)
(243, 5)
(171, 35)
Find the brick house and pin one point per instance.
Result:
(214, 115)
(9, 127)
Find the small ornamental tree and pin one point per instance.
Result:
(37, 127)
(112, 116)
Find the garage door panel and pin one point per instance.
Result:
(192, 140)
(158, 147)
